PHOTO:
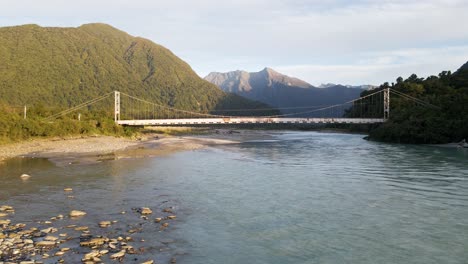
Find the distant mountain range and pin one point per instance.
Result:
(281, 91)
(363, 87)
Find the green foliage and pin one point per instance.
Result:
(67, 66)
(52, 69)
(413, 123)
(13, 127)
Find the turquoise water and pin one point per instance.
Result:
(298, 197)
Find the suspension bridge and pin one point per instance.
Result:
(134, 111)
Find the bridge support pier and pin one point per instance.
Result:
(386, 103)
(116, 106)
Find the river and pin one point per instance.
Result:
(296, 197)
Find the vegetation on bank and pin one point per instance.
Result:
(51, 69)
(418, 124)
(13, 126)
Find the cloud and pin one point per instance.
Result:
(217, 35)
(384, 66)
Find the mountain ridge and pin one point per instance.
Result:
(279, 90)
(64, 66)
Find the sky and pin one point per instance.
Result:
(337, 41)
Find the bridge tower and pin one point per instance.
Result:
(386, 103)
(116, 106)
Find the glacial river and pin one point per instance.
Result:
(297, 197)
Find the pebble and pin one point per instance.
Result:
(25, 177)
(157, 220)
(104, 223)
(172, 217)
(119, 254)
(146, 211)
(148, 262)
(68, 189)
(51, 238)
(45, 244)
(76, 213)
(93, 242)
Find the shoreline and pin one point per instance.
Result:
(98, 148)
(93, 149)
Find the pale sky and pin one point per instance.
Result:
(347, 42)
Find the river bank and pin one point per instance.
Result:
(85, 150)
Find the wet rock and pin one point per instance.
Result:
(45, 244)
(25, 177)
(81, 228)
(51, 238)
(6, 208)
(103, 252)
(90, 256)
(5, 222)
(93, 242)
(117, 255)
(77, 213)
(49, 230)
(167, 210)
(104, 224)
(145, 211)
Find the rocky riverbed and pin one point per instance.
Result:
(61, 238)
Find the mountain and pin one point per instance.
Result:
(65, 66)
(279, 90)
(362, 87)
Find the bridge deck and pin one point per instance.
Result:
(248, 120)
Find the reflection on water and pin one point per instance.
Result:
(297, 197)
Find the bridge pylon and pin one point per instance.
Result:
(386, 102)
(116, 106)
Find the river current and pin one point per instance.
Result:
(297, 197)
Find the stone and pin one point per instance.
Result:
(91, 255)
(68, 189)
(146, 211)
(51, 238)
(6, 208)
(77, 213)
(81, 228)
(104, 223)
(148, 262)
(45, 244)
(93, 242)
(157, 220)
(59, 253)
(49, 230)
(103, 252)
(119, 254)
(3, 214)
(64, 249)
(165, 224)
(25, 177)
(171, 217)
(5, 222)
